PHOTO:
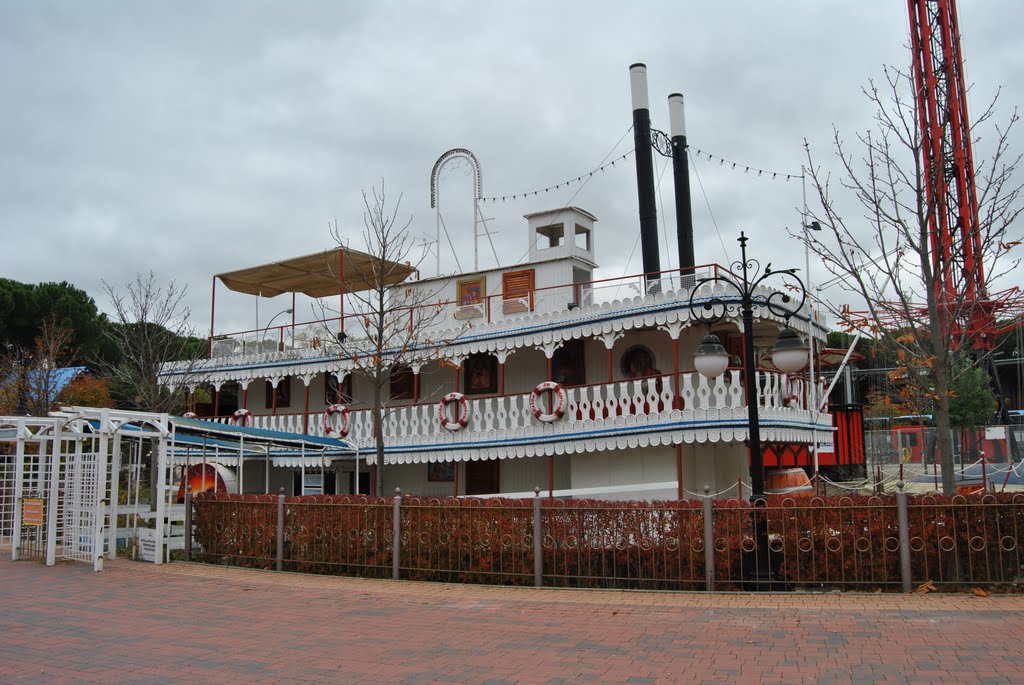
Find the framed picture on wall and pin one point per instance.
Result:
(338, 393)
(441, 472)
(470, 297)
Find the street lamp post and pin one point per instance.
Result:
(267, 327)
(789, 354)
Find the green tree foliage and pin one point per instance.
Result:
(18, 320)
(972, 403)
(24, 307)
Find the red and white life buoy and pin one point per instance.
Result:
(790, 401)
(243, 417)
(189, 415)
(557, 410)
(461, 418)
(329, 429)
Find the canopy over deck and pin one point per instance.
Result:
(317, 275)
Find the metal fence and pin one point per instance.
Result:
(892, 542)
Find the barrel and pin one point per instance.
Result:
(790, 482)
(971, 489)
(208, 478)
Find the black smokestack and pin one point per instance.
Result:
(644, 171)
(681, 172)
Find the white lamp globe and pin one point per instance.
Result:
(711, 360)
(790, 352)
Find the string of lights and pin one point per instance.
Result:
(565, 184)
(737, 165)
(775, 175)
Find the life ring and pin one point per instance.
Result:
(331, 411)
(790, 400)
(189, 415)
(462, 419)
(557, 411)
(243, 417)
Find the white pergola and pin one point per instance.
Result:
(59, 488)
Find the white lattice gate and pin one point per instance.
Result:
(83, 509)
(58, 486)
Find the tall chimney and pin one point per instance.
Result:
(644, 171)
(681, 172)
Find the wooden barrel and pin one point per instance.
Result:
(791, 482)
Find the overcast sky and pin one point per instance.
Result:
(192, 138)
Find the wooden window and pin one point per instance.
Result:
(567, 365)
(335, 393)
(402, 383)
(480, 374)
(517, 291)
(283, 392)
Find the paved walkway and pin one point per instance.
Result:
(141, 623)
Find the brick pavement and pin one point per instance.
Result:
(139, 623)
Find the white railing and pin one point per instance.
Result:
(449, 315)
(592, 406)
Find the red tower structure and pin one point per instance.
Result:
(966, 308)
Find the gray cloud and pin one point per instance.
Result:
(194, 138)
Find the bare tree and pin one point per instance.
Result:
(150, 327)
(34, 373)
(392, 319)
(887, 258)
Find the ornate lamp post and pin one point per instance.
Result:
(789, 354)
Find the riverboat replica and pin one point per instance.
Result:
(538, 375)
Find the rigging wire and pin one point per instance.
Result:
(714, 222)
(661, 211)
(568, 203)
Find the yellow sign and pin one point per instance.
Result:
(905, 455)
(32, 511)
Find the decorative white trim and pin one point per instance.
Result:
(605, 321)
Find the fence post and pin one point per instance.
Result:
(396, 532)
(188, 522)
(709, 543)
(538, 547)
(280, 529)
(902, 520)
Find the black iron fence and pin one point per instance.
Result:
(893, 542)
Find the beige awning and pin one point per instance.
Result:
(317, 275)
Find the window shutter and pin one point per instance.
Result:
(517, 291)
